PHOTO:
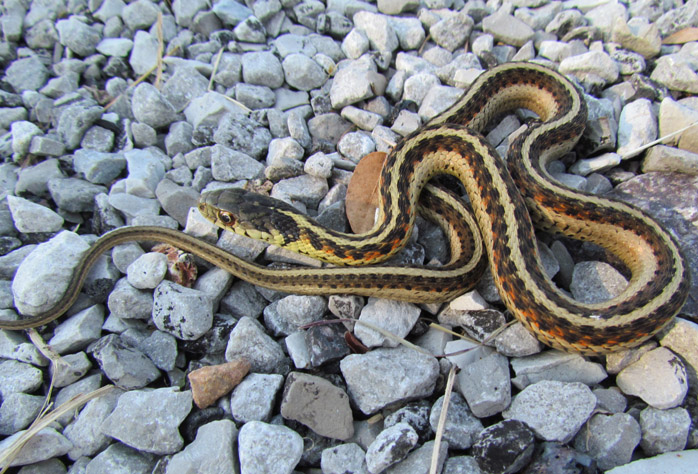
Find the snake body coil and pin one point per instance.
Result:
(499, 193)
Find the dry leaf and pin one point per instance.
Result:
(682, 36)
(362, 192)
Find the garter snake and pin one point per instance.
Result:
(500, 194)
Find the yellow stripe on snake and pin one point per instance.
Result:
(501, 195)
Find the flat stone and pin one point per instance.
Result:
(554, 410)
(461, 427)
(122, 363)
(610, 440)
(212, 450)
(45, 444)
(384, 377)
(486, 386)
(249, 340)
(318, 404)
(268, 448)
(343, 458)
(149, 420)
(254, 398)
(30, 217)
(44, 269)
(664, 430)
(395, 317)
(681, 461)
(556, 365)
(86, 431)
(659, 378)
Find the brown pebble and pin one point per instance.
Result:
(210, 383)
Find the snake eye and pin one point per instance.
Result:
(226, 217)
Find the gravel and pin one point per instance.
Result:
(116, 113)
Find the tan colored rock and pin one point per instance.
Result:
(210, 383)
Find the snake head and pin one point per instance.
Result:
(247, 213)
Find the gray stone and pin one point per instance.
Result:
(161, 348)
(98, 167)
(385, 377)
(49, 267)
(395, 317)
(75, 120)
(378, 30)
(355, 44)
(176, 200)
(637, 126)
(610, 399)
(268, 448)
(343, 458)
(34, 179)
(29, 217)
(243, 134)
(554, 410)
(461, 465)
(18, 377)
(610, 440)
(517, 341)
(231, 165)
(670, 159)
(128, 461)
(659, 378)
(183, 312)
(159, 413)
(126, 302)
(289, 314)
(78, 36)
(390, 446)
(17, 411)
(45, 444)
(74, 195)
(85, 432)
(125, 365)
(355, 83)
(302, 73)
(14, 345)
(46, 146)
(144, 55)
(119, 47)
(507, 29)
(250, 30)
(317, 404)
(212, 450)
(139, 15)
(664, 430)
(151, 107)
(23, 132)
(591, 66)
(231, 12)
(254, 398)
(248, 340)
(147, 271)
(595, 282)
(556, 365)
(185, 84)
(682, 461)
(485, 385)
(307, 189)
(262, 68)
(676, 73)
(356, 145)
(179, 138)
(75, 367)
(461, 426)
(26, 74)
(451, 32)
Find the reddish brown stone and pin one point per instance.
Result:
(208, 384)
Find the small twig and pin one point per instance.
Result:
(637, 151)
(215, 68)
(7, 456)
(434, 467)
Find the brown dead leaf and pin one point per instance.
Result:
(362, 192)
(682, 36)
(181, 267)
